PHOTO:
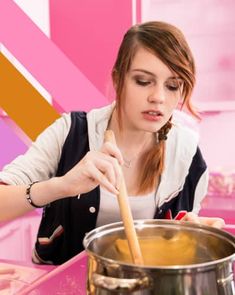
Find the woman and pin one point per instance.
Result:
(75, 174)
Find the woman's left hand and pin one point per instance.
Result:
(7, 276)
(211, 221)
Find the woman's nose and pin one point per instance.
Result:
(157, 95)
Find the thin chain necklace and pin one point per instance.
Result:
(128, 162)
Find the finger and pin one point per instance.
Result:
(118, 172)
(213, 221)
(116, 169)
(192, 217)
(219, 224)
(112, 150)
(99, 177)
(8, 277)
(5, 284)
(107, 168)
(106, 164)
(7, 271)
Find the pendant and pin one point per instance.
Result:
(127, 163)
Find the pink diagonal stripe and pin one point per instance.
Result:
(45, 61)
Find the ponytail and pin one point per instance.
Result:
(153, 161)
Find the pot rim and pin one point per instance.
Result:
(140, 223)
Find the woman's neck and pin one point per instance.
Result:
(133, 144)
(130, 141)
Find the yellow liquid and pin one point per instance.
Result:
(157, 251)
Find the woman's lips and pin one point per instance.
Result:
(152, 115)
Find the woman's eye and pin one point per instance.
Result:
(173, 87)
(142, 82)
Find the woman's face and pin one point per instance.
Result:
(151, 92)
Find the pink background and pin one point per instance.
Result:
(209, 27)
(86, 35)
(84, 39)
(74, 67)
(89, 33)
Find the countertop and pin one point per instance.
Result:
(68, 278)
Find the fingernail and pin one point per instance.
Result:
(118, 186)
(180, 215)
(218, 224)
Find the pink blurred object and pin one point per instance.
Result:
(223, 207)
(14, 277)
(68, 278)
(222, 184)
(23, 229)
(186, 120)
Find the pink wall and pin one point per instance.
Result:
(89, 32)
(218, 140)
(209, 27)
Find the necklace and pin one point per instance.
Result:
(128, 162)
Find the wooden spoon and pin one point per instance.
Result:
(125, 211)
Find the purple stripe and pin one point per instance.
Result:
(10, 144)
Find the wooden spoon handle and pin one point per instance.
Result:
(125, 211)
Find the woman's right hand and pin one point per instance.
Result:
(95, 168)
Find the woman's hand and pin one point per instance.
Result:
(7, 275)
(211, 221)
(95, 168)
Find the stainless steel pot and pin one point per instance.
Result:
(202, 260)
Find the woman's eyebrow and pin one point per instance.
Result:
(144, 71)
(152, 74)
(176, 78)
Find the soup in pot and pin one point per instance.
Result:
(178, 249)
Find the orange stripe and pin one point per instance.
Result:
(22, 102)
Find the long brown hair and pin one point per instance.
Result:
(168, 43)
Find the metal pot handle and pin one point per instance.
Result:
(224, 281)
(121, 285)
